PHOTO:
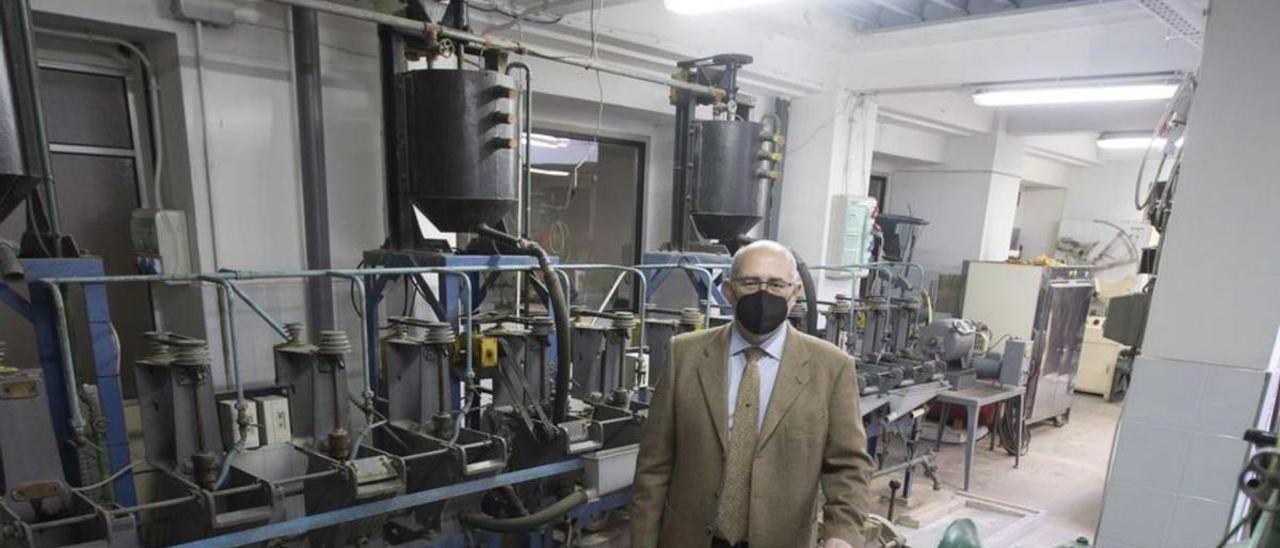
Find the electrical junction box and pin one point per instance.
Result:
(231, 427)
(853, 220)
(160, 241)
(273, 417)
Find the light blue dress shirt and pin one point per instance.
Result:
(768, 365)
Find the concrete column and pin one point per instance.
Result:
(971, 201)
(829, 146)
(1207, 369)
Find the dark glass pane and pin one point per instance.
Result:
(584, 205)
(85, 109)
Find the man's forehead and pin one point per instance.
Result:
(766, 261)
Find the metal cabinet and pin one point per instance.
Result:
(1048, 305)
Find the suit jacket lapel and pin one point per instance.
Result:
(713, 373)
(793, 374)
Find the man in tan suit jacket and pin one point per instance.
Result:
(700, 482)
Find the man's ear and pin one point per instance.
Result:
(726, 287)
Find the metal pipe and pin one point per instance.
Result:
(704, 269)
(237, 490)
(640, 280)
(257, 309)
(613, 291)
(345, 515)
(524, 218)
(68, 366)
(356, 275)
(230, 356)
(64, 521)
(315, 193)
(37, 112)
(420, 28)
(370, 351)
(154, 505)
(305, 477)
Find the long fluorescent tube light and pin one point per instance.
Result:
(1130, 141)
(1066, 95)
(698, 7)
(551, 172)
(547, 141)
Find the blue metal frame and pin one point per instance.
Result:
(336, 517)
(657, 277)
(106, 361)
(450, 286)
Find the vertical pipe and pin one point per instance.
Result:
(68, 366)
(402, 224)
(32, 81)
(680, 178)
(315, 193)
(773, 215)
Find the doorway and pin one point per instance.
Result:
(92, 117)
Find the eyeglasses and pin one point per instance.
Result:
(752, 285)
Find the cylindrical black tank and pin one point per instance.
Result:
(460, 146)
(19, 173)
(729, 177)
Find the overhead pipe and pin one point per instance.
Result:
(315, 192)
(420, 28)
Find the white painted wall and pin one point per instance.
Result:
(1209, 360)
(1039, 212)
(1105, 191)
(829, 154)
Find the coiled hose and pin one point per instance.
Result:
(553, 512)
(559, 313)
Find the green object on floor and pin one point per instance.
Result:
(962, 533)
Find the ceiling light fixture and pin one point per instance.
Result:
(550, 172)
(698, 7)
(1132, 141)
(1067, 95)
(547, 141)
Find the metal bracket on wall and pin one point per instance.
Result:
(219, 13)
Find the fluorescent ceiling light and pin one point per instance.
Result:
(551, 172)
(547, 141)
(1131, 142)
(697, 7)
(1065, 95)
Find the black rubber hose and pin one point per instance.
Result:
(806, 281)
(810, 295)
(553, 512)
(560, 314)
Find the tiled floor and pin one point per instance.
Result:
(1063, 475)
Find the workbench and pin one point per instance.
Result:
(972, 399)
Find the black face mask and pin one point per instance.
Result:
(760, 313)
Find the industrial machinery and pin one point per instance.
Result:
(38, 508)
(723, 169)
(1047, 305)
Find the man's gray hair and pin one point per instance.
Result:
(765, 245)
